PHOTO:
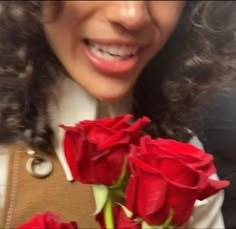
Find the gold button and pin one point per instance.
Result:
(39, 166)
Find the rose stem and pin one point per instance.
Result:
(108, 215)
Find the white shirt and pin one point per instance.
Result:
(74, 104)
(3, 172)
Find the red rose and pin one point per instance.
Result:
(168, 176)
(47, 221)
(186, 152)
(95, 150)
(120, 220)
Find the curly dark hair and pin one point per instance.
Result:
(198, 59)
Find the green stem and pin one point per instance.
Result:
(108, 214)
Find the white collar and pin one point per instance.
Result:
(72, 104)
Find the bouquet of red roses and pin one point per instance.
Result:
(144, 182)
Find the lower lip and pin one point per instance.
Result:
(110, 67)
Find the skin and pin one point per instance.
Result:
(146, 23)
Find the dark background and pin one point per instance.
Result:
(219, 139)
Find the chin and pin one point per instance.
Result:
(110, 97)
(107, 88)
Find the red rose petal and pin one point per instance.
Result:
(47, 220)
(212, 187)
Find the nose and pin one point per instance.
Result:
(131, 15)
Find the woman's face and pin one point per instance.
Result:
(104, 45)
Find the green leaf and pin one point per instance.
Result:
(127, 212)
(100, 193)
(138, 220)
(146, 226)
(165, 225)
(119, 183)
(119, 193)
(170, 217)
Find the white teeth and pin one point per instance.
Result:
(96, 52)
(120, 51)
(104, 55)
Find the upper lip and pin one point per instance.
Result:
(116, 42)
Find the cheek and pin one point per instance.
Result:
(60, 32)
(63, 32)
(165, 15)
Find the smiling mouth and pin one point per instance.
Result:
(112, 57)
(112, 52)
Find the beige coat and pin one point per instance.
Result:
(27, 195)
